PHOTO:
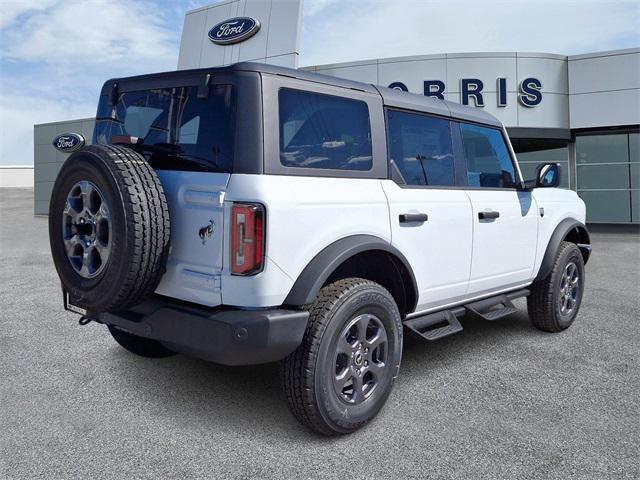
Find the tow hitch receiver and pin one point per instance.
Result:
(69, 307)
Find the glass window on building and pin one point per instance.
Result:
(533, 152)
(608, 176)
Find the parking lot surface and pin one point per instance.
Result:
(498, 400)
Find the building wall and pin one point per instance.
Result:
(276, 42)
(450, 68)
(47, 160)
(604, 89)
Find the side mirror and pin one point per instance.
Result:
(547, 175)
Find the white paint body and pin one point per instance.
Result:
(454, 256)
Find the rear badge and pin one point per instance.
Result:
(205, 232)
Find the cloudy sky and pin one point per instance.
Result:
(55, 54)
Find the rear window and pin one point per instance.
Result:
(421, 148)
(324, 131)
(176, 129)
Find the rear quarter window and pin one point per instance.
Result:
(324, 131)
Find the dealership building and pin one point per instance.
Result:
(582, 111)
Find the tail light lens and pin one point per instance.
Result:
(247, 238)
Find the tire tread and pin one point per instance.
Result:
(296, 371)
(540, 302)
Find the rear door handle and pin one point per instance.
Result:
(413, 217)
(488, 215)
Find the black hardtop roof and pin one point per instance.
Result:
(391, 97)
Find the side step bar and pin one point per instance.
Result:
(496, 307)
(434, 326)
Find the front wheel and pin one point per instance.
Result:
(555, 300)
(341, 375)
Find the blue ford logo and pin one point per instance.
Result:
(68, 142)
(234, 30)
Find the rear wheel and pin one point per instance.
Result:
(145, 347)
(555, 300)
(342, 373)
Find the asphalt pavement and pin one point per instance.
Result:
(498, 400)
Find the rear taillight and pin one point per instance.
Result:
(247, 238)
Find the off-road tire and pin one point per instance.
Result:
(145, 347)
(308, 373)
(139, 231)
(544, 301)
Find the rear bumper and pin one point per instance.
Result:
(221, 335)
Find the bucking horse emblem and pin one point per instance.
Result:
(205, 232)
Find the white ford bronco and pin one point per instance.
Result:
(251, 214)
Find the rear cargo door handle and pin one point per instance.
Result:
(488, 215)
(413, 217)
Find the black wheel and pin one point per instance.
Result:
(108, 228)
(342, 373)
(554, 301)
(145, 347)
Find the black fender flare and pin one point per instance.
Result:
(561, 232)
(318, 270)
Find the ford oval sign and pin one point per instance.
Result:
(234, 30)
(68, 142)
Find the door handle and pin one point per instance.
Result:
(413, 217)
(488, 215)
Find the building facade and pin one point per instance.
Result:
(581, 111)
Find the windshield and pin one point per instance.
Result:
(175, 129)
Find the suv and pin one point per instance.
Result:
(251, 214)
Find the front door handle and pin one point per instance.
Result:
(488, 215)
(413, 217)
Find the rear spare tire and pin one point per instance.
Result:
(108, 228)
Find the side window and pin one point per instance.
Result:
(420, 147)
(324, 131)
(488, 161)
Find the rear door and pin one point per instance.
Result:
(505, 219)
(189, 139)
(430, 219)
(196, 208)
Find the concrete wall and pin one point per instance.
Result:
(276, 42)
(604, 89)
(16, 176)
(47, 160)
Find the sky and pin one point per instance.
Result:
(56, 54)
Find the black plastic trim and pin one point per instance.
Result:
(488, 215)
(413, 217)
(222, 335)
(559, 234)
(319, 269)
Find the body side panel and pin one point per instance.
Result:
(304, 215)
(558, 205)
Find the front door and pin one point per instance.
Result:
(505, 220)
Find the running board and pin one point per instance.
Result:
(435, 326)
(496, 307)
